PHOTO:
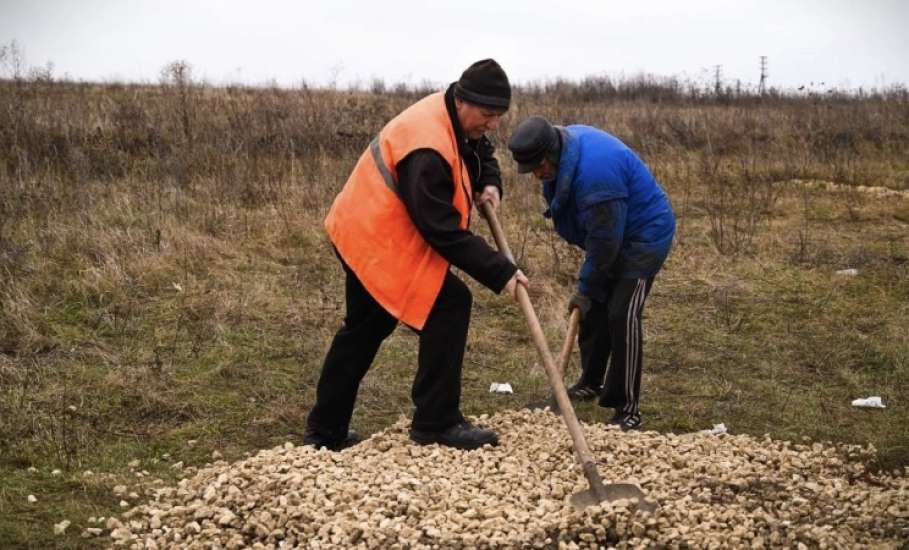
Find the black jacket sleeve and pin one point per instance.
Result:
(489, 172)
(604, 223)
(427, 189)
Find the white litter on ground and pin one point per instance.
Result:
(503, 387)
(717, 429)
(873, 402)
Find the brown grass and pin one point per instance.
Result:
(164, 275)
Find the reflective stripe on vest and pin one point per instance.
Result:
(369, 224)
(383, 168)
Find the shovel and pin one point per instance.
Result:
(562, 363)
(598, 491)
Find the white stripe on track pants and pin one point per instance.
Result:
(611, 334)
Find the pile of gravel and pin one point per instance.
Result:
(713, 490)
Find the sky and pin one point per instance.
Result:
(842, 43)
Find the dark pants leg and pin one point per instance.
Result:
(594, 342)
(437, 386)
(615, 334)
(366, 325)
(623, 378)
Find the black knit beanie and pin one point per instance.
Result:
(484, 83)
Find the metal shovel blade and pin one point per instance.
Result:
(611, 493)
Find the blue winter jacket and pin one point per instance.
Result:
(605, 200)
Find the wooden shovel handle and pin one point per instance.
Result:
(568, 345)
(552, 373)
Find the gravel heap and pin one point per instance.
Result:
(713, 490)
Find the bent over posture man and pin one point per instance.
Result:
(604, 199)
(397, 225)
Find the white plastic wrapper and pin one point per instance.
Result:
(717, 429)
(873, 402)
(503, 387)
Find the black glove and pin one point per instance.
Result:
(581, 302)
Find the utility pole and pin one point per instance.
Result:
(762, 87)
(717, 86)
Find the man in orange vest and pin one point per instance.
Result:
(398, 224)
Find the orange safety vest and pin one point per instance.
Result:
(369, 224)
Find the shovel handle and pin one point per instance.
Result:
(552, 373)
(568, 345)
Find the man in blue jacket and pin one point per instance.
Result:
(602, 198)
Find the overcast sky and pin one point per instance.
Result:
(843, 43)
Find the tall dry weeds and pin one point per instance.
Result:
(129, 213)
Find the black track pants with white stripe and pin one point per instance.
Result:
(611, 334)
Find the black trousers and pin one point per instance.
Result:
(610, 334)
(436, 390)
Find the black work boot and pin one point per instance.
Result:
(463, 435)
(318, 441)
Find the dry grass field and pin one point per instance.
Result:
(166, 289)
